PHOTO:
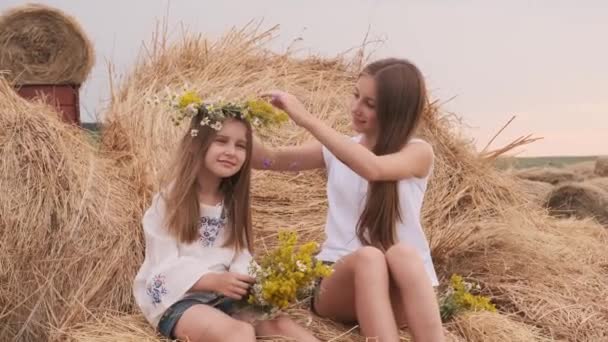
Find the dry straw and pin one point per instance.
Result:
(584, 170)
(478, 220)
(537, 191)
(601, 167)
(492, 327)
(69, 242)
(581, 199)
(548, 277)
(551, 175)
(42, 45)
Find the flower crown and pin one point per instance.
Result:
(258, 113)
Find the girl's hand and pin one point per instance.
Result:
(230, 284)
(290, 104)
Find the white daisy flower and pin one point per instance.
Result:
(192, 109)
(194, 132)
(301, 266)
(205, 121)
(217, 125)
(256, 122)
(254, 269)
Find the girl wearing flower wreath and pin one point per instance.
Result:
(198, 234)
(383, 275)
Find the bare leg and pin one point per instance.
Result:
(359, 290)
(205, 323)
(284, 327)
(415, 302)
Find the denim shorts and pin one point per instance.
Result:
(315, 292)
(174, 312)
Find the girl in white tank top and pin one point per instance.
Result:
(383, 274)
(346, 192)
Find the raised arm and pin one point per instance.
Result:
(414, 160)
(292, 158)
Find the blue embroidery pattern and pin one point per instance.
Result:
(209, 229)
(157, 289)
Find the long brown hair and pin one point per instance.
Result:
(180, 190)
(400, 101)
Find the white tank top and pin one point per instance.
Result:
(346, 194)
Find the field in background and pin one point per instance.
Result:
(553, 161)
(501, 163)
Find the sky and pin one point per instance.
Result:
(543, 61)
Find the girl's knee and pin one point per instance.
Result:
(240, 331)
(368, 256)
(403, 255)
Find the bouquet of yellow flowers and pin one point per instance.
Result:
(286, 274)
(459, 298)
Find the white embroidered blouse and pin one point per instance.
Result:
(171, 268)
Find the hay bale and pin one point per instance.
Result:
(237, 66)
(70, 241)
(536, 191)
(600, 182)
(584, 170)
(43, 45)
(476, 219)
(601, 167)
(549, 175)
(493, 327)
(582, 199)
(549, 273)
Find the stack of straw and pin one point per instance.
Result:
(43, 45)
(548, 277)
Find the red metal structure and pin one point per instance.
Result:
(64, 97)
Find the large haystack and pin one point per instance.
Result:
(43, 45)
(238, 66)
(478, 222)
(69, 237)
(601, 167)
(582, 199)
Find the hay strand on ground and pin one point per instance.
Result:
(43, 45)
(492, 327)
